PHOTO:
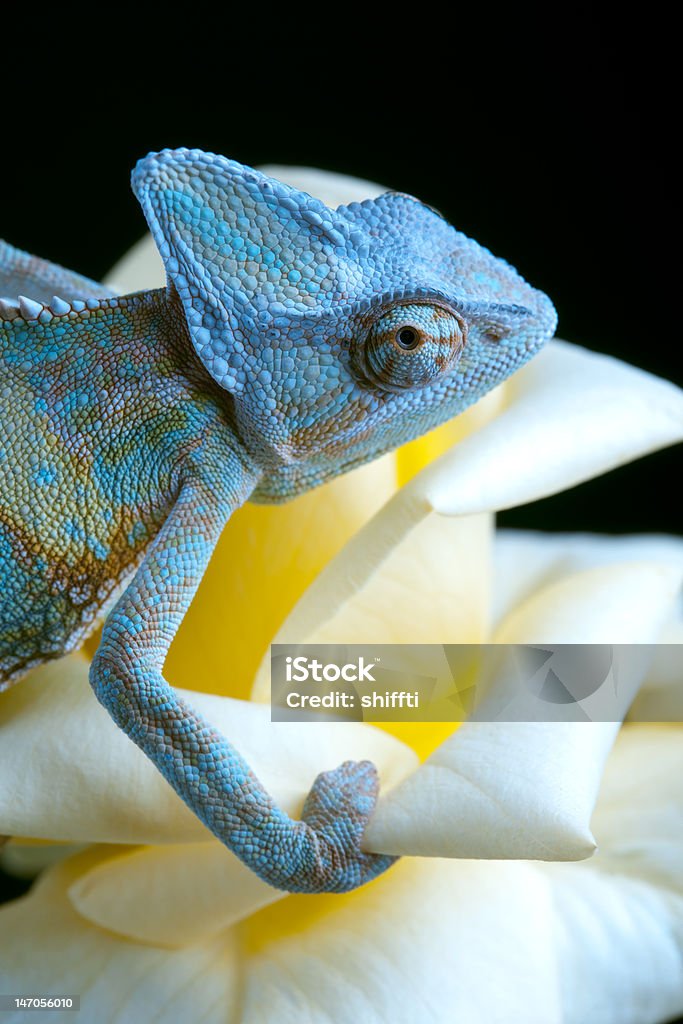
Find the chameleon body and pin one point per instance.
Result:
(292, 343)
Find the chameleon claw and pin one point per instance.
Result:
(337, 810)
(351, 789)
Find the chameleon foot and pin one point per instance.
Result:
(337, 811)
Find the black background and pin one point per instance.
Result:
(543, 140)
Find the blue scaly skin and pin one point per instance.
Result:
(292, 343)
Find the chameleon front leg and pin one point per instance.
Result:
(319, 853)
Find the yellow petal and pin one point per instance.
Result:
(407, 574)
(266, 558)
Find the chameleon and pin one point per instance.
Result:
(292, 343)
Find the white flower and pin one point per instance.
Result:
(481, 921)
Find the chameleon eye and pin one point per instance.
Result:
(409, 346)
(407, 338)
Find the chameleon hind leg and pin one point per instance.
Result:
(319, 853)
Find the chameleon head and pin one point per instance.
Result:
(339, 334)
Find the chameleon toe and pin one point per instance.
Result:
(338, 809)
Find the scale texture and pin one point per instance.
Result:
(292, 343)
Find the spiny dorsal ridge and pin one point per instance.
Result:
(58, 306)
(8, 310)
(29, 308)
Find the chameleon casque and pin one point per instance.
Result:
(292, 343)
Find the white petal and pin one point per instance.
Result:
(170, 895)
(528, 789)
(620, 917)
(525, 561)
(67, 772)
(617, 933)
(500, 790)
(140, 268)
(639, 816)
(376, 591)
(661, 698)
(619, 943)
(431, 942)
(573, 414)
(528, 563)
(25, 858)
(46, 947)
(615, 604)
